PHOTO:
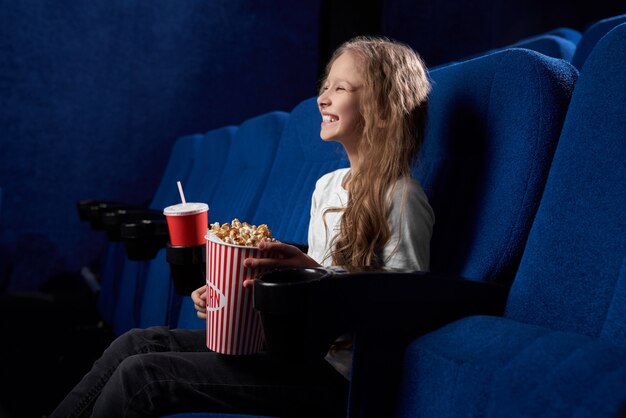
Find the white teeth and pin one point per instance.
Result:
(328, 118)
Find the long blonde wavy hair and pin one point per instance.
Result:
(393, 109)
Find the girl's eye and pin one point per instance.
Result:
(340, 88)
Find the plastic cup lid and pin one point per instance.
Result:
(182, 209)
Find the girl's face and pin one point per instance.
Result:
(339, 102)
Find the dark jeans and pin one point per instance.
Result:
(159, 371)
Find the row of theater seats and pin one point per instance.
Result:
(528, 190)
(566, 43)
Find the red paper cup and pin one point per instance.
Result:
(187, 223)
(233, 326)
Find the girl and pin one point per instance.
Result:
(373, 101)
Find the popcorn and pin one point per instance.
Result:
(242, 233)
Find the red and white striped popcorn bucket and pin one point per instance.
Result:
(233, 326)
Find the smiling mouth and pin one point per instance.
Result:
(329, 119)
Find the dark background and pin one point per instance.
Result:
(93, 94)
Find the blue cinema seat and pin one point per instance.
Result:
(155, 289)
(549, 44)
(492, 128)
(122, 298)
(301, 159)
(180, 163)
(591, 36)
(558, 43)
(230, 180)
(570, 34)
(560, 348)
(285, 202)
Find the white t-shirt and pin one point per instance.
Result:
(411, 225)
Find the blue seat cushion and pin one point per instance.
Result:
(487, 366)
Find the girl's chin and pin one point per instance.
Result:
(328, 138)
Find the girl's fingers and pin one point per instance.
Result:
(285, 249)
(255, 263)
(198, 295)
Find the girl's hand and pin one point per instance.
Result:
(199, 301)
(286, 256)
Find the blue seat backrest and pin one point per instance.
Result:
(179, 166)
(155, 290)
(557, 43)
(492, 128)
(246, 168)
(550, 45)
(577, 245)
(204, 179)
(182, 159)
(592, 35)
(142, 287)
(241, 183)
(570, 34)
(302, 157)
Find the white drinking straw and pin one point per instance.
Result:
(180, 190)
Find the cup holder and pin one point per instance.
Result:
(187, 267)
(290, 302)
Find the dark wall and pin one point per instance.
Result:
(446, 31)
(92, 95)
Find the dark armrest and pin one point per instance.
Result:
(304, 310)
(187, 267)
(113, 219)
(144, 239)
(91, 210)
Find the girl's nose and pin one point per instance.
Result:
(323, 100)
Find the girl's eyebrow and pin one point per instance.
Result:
(340, 80)
(343, 80)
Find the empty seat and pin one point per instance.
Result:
(232, 189)
(560, 349)
(180, 164)
(155, 288)
(553, 44)
(550, 45)
(492, 129)
(126, 299)
(301, 159)
(570, 34)
(592, 35)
